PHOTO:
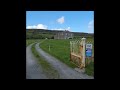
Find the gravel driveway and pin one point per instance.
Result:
(64, 71)
(33, 69)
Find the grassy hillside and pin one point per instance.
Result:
(42, 34)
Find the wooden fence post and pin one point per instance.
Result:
(70, 49)
(49, 47)
(83, 52)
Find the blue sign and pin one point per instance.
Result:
(88, 50)
(89, 53)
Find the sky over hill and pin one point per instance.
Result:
(75, 21)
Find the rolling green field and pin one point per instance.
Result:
(61, 50)
(58, 48)
(29, 41)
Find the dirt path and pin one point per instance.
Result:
(64, 71)
(33, 69)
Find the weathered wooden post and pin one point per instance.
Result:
(83, 53)
(49, 47)
(70, 49)
(73, 46)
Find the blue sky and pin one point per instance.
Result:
(75, 21)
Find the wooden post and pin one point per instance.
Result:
(83, 52)
(70, 50)
(70, 47)
(73, 47)
(49, 47)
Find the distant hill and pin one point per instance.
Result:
(42, 33)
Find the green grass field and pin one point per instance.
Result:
(61, 50)
(58, 48)
(29, 41)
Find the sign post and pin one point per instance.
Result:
(88, 50)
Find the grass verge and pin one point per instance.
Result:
(89, 69)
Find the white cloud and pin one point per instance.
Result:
(29, 27)
(61, 20)
(91, 26)
(68, 28)
(39, 26)
(33, 26)
(58, 29)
